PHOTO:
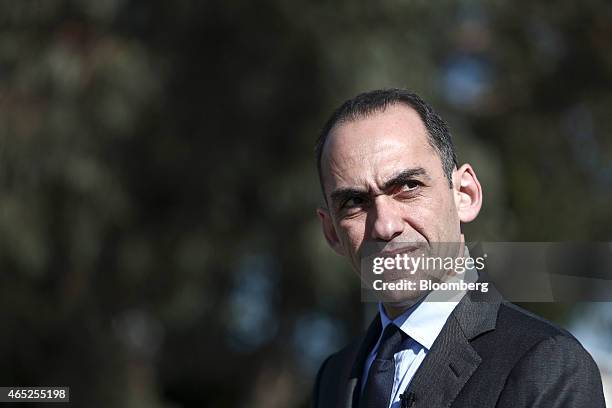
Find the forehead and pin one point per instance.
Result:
(372, 149)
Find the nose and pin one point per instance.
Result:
(386, 221)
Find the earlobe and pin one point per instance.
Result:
(468, 193)
(329, 231)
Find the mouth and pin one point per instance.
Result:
(402, 268)
(393, 276)
(398, 251)
(369, 249)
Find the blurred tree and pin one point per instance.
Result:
(158, 244)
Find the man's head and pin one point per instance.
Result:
(369, 103)
(388, 172)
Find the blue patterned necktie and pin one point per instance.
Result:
(377, 391)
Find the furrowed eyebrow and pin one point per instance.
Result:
(405, 176)
(341, 195)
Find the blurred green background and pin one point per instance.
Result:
(158, 240)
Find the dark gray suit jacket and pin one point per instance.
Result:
(490, 353)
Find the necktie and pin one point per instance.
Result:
(377, 391)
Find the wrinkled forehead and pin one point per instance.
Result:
(371, 149)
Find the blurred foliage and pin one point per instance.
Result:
(158, 242)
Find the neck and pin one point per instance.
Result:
(394, 310)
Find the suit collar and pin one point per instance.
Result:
(477, 312)
(452, 359)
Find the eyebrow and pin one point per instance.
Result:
(340, 195)
(405, 176)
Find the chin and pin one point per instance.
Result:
(402, 299)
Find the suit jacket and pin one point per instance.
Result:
(490, 353)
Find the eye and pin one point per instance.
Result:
(410, 186)
(353, 202)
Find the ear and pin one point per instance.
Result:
(329, 230)
(467, 192)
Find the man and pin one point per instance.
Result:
(389, 175)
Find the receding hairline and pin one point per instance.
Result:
(362, 115)
(378, 110)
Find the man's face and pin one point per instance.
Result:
(385, 185)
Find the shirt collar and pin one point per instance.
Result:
(423, 322)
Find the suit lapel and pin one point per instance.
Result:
(447, 367)
(452, 360)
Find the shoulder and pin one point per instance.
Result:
(541, 335)
(340, 361)
(332, 374)
(548, 361)
(544, 345)
(521, 336)
(525, 323)
(528, 361)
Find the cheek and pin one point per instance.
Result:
(351, 232)
(444, 218)
(433, 218)
(421, 220)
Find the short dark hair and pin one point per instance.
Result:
(377, 101)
